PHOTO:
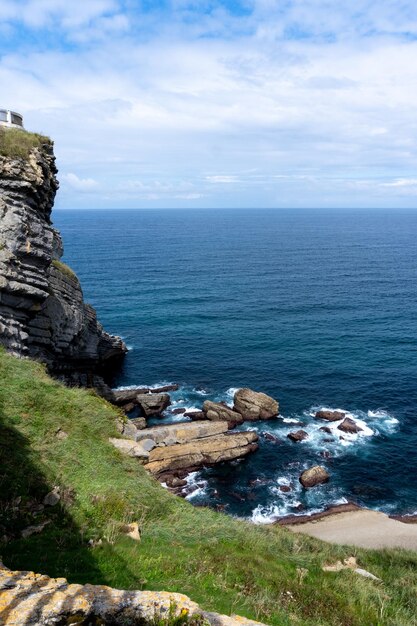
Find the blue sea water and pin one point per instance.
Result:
(316, 307)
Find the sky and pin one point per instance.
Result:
(251, 103)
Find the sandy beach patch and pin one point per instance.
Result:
(362, 528)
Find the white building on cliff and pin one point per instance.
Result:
(11, 119)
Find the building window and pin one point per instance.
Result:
(16, 119)
(3, 115)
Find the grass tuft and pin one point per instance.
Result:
(224, 564)
(64, 269)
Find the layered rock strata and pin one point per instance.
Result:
(42, 311)
(186, 445)
(29, 599)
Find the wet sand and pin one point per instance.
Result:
(362, 528)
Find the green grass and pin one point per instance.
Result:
(64, 269)
(16, 143)
(225, 564)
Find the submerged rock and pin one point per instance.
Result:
(314, 476)
(349, 426)
(253, 405)
(153, 403)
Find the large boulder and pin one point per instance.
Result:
(216, 411)
(153, 403)
(202, 452)
(349, 426)
(330, 416)
(254, 405)
(314, 476)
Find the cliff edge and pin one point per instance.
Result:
(42, 311)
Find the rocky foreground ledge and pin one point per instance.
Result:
(29, 599)
(42, 311)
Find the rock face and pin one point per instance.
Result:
(215, 411)
(253, 405)
(330, 416)
(29, 599)
(42, 311)
(314, 476)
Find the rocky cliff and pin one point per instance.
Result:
(42, 311)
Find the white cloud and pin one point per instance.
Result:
(80, 184)
(252, 116)
(222, 179)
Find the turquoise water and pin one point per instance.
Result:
(315, 307)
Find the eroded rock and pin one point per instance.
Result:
(153, 404)
(202, 452)
(215, 411)
(253, 405)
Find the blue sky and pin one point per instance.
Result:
(257, 103)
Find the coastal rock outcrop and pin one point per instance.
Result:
(186, 445)
(42, 311)
(202, 452)
(29, 599)
(254, 405)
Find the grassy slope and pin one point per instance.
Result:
(18, 143)
(222, 563)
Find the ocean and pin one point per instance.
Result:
(317, 308)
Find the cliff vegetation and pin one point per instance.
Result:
(15, 143)
(54, 439)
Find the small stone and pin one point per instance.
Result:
(132, 530)
(326, 429)
(61, 434)
(34, 530)
(52, 498)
